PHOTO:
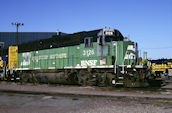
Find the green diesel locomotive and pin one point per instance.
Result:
(101, 57)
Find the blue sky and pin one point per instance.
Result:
(148, 22)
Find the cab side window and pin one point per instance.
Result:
(88, 42)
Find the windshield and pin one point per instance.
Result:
(112, 38)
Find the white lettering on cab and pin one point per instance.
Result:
(88, 52)
(88, 62)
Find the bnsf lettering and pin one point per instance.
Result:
(88, 62)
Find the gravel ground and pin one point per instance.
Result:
(29, 98)
(28, 103)
(89, 91)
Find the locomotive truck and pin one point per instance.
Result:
(100, 57)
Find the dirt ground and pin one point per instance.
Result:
(29, 98)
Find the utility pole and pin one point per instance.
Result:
(145, 55)
(17, 25)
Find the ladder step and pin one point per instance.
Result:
(119, 83)
(120, 77)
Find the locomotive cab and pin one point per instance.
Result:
(109, 35)
(123, 55)
(104, 39)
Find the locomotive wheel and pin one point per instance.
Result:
(82, 78)
(72, 76)
(110, 80)
(130, 81)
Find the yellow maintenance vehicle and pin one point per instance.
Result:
(1, 63)
(8, 63)
(161, 67)
(1, 68)
(12, 57)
